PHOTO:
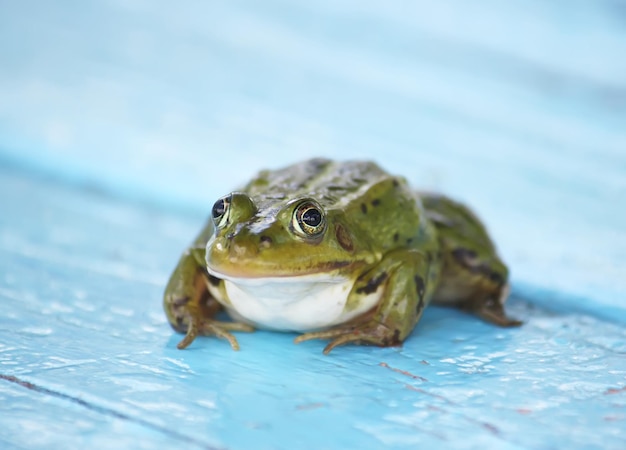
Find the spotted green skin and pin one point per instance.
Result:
(413, 248)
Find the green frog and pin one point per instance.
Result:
(341, 251)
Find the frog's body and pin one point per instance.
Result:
(336, 250)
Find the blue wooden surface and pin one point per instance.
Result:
(121, 122)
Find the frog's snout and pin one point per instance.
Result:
(242, 251)
(242, 243)
(239, 252)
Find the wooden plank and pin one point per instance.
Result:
(81, 322)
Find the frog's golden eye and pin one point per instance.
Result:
(308, 219)
(220, 211)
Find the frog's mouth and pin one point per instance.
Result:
(247, 279)
(329, 270)
(292, 303)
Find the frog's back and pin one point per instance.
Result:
(331, 183)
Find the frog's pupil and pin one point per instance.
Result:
(218, 209)
(312, 217)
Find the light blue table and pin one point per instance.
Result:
(122, 121)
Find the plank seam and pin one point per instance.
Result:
(104, 410)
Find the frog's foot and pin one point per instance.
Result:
(207, 327)
(492, 311)
(372, 333)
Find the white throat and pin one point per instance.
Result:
(302, 303)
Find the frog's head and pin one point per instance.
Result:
(281, 238)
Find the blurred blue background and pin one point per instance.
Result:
(122, 121)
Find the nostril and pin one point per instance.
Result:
(266, 241)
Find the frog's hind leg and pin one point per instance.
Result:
(473, 278)
(475, 288)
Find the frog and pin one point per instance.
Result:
(340, 251)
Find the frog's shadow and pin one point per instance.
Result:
(438, 324)
(465, 326)
(447, 323)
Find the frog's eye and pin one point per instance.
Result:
(308, 219)
(220, 211)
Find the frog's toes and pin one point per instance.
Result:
(371, 333)
(221, 330)
(222, 334)
(327, 334)
(492, 311)
(499, 319)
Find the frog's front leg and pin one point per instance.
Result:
(407, 279)
(189, 306)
